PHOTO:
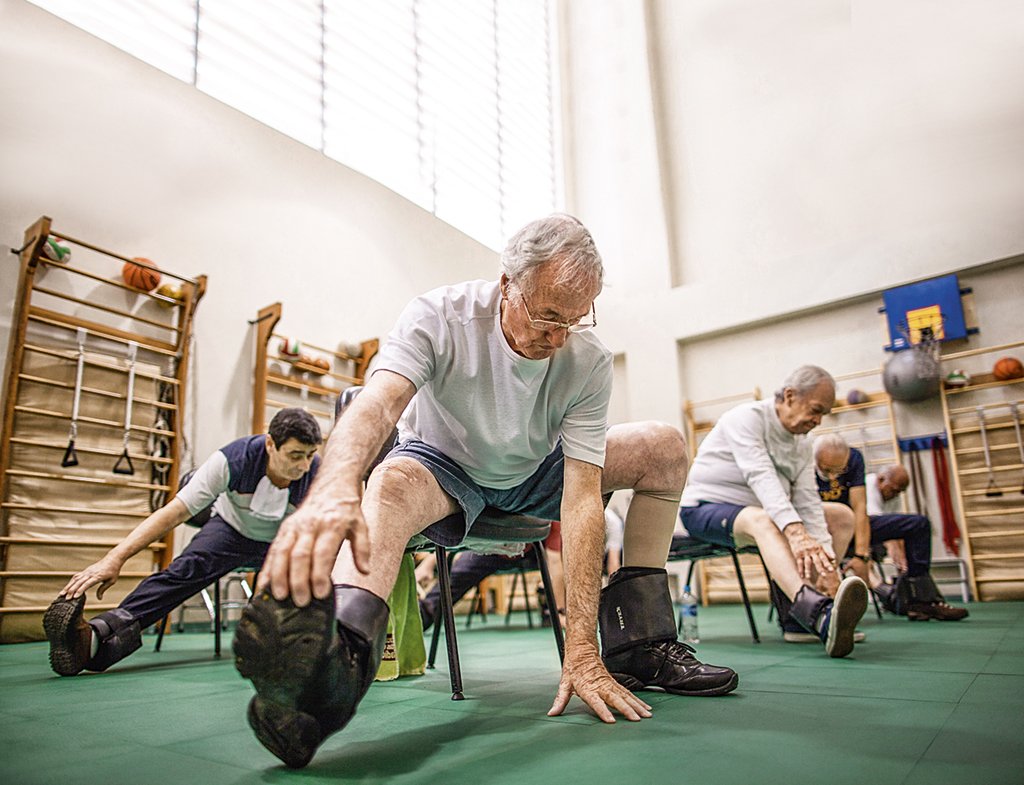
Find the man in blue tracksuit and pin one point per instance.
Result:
(246, 488)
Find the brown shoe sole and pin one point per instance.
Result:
(62, 623)
(280, 649)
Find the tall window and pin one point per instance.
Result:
(449, 103)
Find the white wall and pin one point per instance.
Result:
(124, 156)
(744, 164)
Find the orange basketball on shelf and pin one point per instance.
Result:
(1008, 368)
(139, 277)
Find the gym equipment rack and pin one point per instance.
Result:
(58, 517)
(986, 456)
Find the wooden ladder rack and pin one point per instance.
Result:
(298, 383)
(48, 511)
(993, 524)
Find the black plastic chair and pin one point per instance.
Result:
(492, 528)
(687, 548)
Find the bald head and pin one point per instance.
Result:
(831, 454)
(892, 481)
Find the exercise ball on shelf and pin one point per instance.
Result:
(912, 375)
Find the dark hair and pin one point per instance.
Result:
(294, 423)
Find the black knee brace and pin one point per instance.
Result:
(353, 658)
(119, 635)
(918, 589)
(808, 608)
(635, 608)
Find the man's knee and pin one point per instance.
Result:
(920, 523)
(838, 517)
(664, 452)
(755, 524)
(396, 482)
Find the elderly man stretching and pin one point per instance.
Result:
(502, 393)
(752, 483)
(841, 478)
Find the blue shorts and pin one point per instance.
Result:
(540, 495)
(711, 522)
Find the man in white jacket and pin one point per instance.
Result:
(752, 483)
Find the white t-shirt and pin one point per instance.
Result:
(876, 503)
(257, 515)
(495, 413)
(750, 459)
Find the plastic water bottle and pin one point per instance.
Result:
(688, 610)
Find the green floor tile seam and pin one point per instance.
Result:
(935, 737)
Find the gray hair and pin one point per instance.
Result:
(830, 441)
(803, 380)
(558, 237)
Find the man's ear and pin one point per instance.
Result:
(270, 443)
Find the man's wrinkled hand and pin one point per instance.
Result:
(302, 556)
(810, 557)
(103, 573)
(828, 583)
(860, 568)
(584, 674)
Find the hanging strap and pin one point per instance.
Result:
(70, 456)
(950, 530)
(1020, 439)
(917, 481)
(124, 463)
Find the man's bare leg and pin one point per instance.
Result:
(638, 632)
(402, 498)
(753, 527)
(650, 458)
(833, 622)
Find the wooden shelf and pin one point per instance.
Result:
(264, 376)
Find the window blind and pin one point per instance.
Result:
(447, 102)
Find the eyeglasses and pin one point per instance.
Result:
(582, 324)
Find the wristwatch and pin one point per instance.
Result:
(864, 557)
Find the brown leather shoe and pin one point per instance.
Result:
(925, 611)
(69, 634)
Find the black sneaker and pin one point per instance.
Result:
(669, 665)
(69, 634)
(280, 648)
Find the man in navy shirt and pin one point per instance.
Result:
(841, 478)
(251, 484)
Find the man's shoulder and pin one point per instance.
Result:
(587, 344)
(461, 299)
(247, 462)
(747, 412)
(245, 447)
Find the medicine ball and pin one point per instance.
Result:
(911, 375)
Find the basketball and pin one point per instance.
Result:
(1008, 368)
(853, 397)
(139, 277)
